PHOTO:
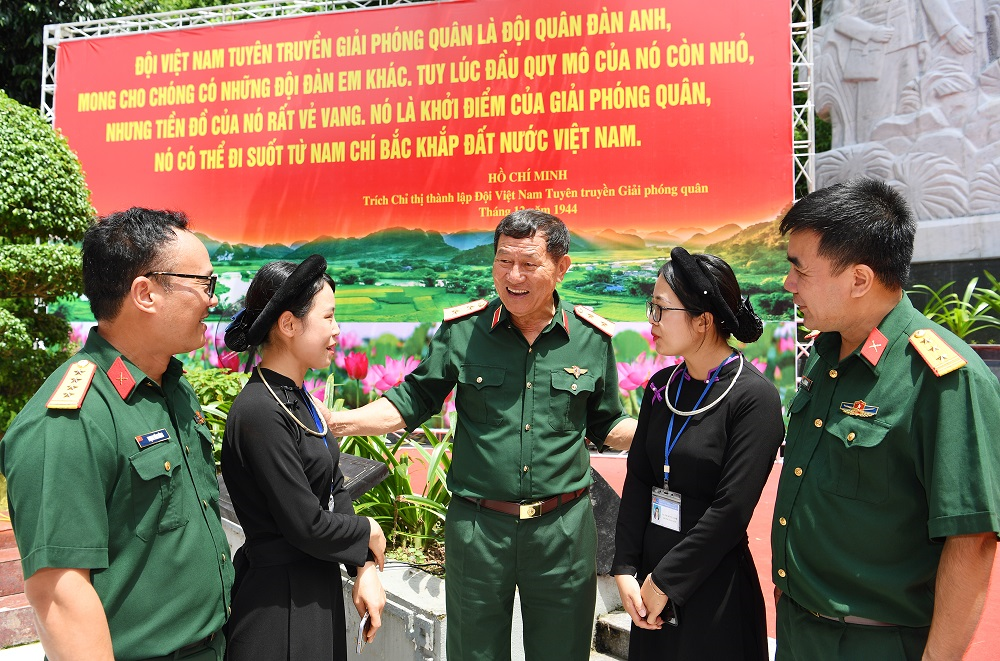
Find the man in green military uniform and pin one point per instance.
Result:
(110, 472)
(888, 507)
(533, 380)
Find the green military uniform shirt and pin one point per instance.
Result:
(523, 411)
(100, 488)
(883, 461)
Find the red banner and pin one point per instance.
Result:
(631, 115)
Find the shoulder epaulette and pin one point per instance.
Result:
(464, 310)
(595, 320)
(938, 355)
(73, 388)
(812, 335)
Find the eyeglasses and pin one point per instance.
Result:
(655, 312)
(209, 287)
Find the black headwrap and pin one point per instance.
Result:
(247, 330)
(743, 323)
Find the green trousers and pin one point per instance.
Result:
(802, 636)
(551, 561)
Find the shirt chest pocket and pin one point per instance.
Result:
(157, 490)
(570, 395)
(479, 387)
(858, 461)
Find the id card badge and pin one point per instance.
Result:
(666, 509)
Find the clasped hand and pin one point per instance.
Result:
(644, 604)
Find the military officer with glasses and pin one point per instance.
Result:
(110, 472)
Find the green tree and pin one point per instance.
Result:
(22, 24)
(44, 202)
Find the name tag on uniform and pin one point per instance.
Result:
(666, 509)
(152, 438)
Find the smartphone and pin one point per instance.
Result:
(669, 614)
(361, 632)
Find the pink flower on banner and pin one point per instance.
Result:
(348, 341)
(646, 335)
(356, 365)
(637, 374)
(338, 359)
(761, 365)
(316, 388)
(392, 373)
(230, 360)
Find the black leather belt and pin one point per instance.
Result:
(847, 619)
(529, 509)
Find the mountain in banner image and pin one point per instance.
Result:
(759, 247)
(611, 240)
(396, 242)
(662, 239)
(468, 240)
(700, 240)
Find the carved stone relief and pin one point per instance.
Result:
(912, 88)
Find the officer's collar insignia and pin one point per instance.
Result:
(496, 316)
(874, 346)
(152, 438)
(199, 418)
(938, 355)
(812, 335)
(805, 383)
(121, 378)
(576, 371)
(464, 310)
(73, 388)
(858, 409)
(565, 323)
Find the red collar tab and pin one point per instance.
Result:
(874, 346)
(565, 323)
(496, 316)
(121, 378)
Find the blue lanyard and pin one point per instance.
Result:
(671, 439)
(315, 413)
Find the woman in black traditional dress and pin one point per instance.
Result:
(708, 432)
(280, 465)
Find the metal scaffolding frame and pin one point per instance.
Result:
(803, 136)
(245, 12)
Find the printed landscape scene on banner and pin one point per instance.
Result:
(392, 141)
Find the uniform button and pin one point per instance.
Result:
(573, 387)
(479, 379)
(798, 472)
(166, 466)
(525, 469)
(833, 374)
(229, 610)
(781, 573)
(204, 504)
(187, 449)
(223, 557)
(783, 521)
(527, 428)
(850, 437)
(529, 385)
(818, 422)
(529, 349)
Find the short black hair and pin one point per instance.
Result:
(861, 221)
(525, 223)
(268, 280)
(122, 246)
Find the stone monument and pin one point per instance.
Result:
(912, 89)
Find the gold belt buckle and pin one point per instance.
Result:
(531, 510)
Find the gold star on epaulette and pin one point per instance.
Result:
(73, 388)
(940, 357)
(595, 320)
(464, 310)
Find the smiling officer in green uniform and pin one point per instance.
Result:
(533, 380)
(110, 473)
(887, 512)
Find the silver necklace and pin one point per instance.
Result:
(706, 407)
(321, 433)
